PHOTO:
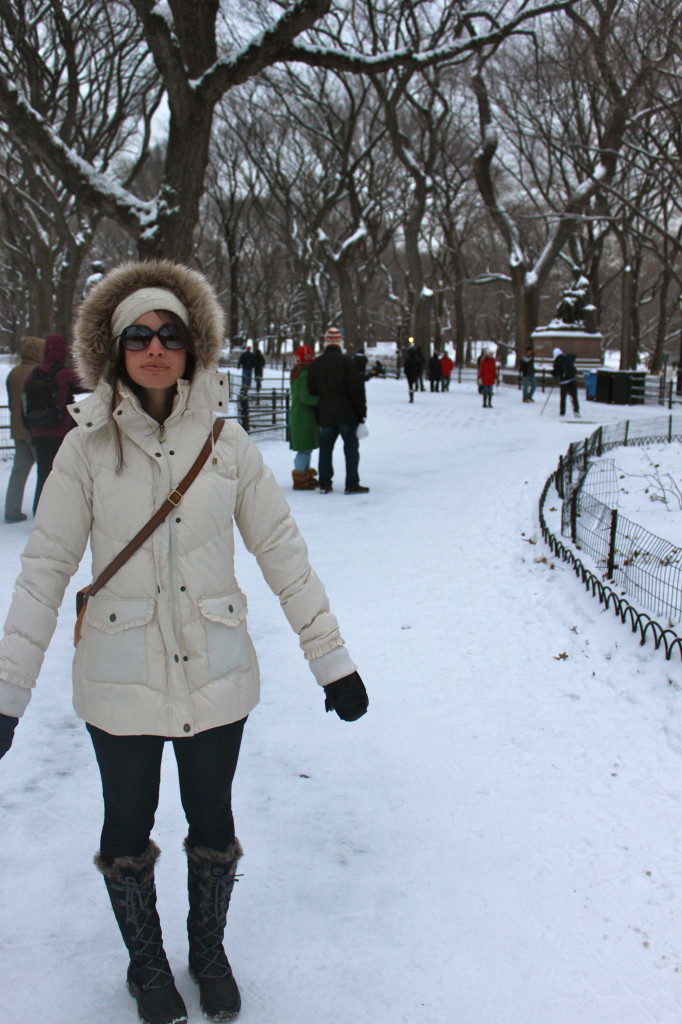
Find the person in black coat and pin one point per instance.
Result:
(342, 405)
(412, 369)
(435, 372)
(564, 371)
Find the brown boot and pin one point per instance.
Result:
(312, 476)
(302, 482)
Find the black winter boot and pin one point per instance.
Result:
(210, 880)
(130, 884)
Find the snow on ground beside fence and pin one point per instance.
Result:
(497, 842)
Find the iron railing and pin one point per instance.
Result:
(644, 567)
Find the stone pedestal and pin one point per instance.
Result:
(585, 345)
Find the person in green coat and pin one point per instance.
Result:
(304, 432)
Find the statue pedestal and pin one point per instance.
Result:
(585, 345)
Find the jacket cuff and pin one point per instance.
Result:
(13, 699)
(333, 665)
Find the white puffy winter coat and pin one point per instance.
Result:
(164, 647)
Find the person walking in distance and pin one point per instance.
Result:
(342, 406)
(30, 355)
(487, 377)
(48, 391)
(164, 655)
(527, 371)
(247, 364)
(435, 372)
(304, 432)
(259, 366)
(411, 369)
(564, 371)
(446, 368)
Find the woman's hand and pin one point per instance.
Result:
(347, 696)
(7, 727)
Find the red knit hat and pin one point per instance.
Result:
(304, 354)
(333, 336)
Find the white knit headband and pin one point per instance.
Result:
(142, 301)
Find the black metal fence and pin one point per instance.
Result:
(260, 409)
(644, 566)
(6, 442)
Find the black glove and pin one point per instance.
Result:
(7, 727)
(347, 696)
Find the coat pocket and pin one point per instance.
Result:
(116, 638)
(228, 647)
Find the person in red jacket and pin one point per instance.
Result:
(47, 439)
(446, 368)
(487, 377)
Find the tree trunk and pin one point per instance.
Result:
(656, 364)
(172, 234)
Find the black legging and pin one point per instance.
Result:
(130, 767)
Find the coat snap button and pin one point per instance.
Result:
(187, 728)
(230, 608)
(112, 617)
(175, 658)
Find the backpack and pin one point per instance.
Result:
(42, 404)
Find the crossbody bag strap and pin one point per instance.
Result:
(171, 502)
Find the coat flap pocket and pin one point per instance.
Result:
(229, 609)
(114, 614)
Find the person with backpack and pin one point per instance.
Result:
(48, 390)
(30, 355)
(564, 371)
(164, 658)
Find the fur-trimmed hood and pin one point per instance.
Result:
(93, 347)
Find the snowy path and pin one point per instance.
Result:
(496, 842)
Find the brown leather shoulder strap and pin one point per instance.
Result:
(171, 502)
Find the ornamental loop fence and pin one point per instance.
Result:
(644, 567)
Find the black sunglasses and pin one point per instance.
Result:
(138, 336)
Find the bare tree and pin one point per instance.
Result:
(198, 59)
(621, 46)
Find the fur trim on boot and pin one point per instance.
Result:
(131, 888)
(211, 875)
(302, 481)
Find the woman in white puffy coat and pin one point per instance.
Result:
(164, 653)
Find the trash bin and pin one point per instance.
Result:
(590, 381)
(621, 387)
(627, 387)
(604, 385)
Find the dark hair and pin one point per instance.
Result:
(118, 371)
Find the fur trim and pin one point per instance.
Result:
(203, 855)
(115, 871)
(93, 347)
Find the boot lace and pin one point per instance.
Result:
(213, 962)
(140, 912)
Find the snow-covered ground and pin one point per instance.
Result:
(496, 842)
